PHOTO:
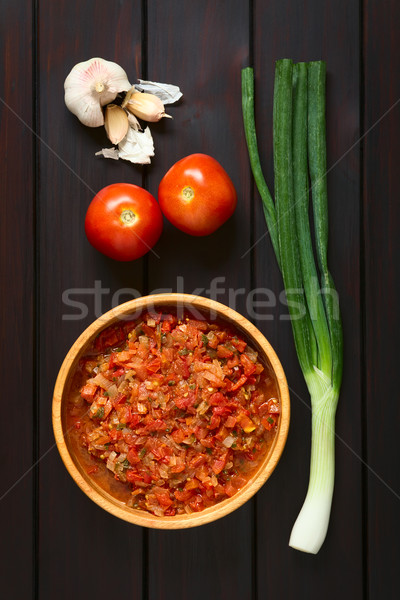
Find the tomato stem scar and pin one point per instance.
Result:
(188, 193)
(127, 217)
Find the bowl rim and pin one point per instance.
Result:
(117, 507)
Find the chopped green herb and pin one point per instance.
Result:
(192, 386)
(126, 463)
(121, 426)
(172, 382)
(270, 420)
(209, 450)
(184, 352)
(100, 413)
(204, 339)
(142, 453)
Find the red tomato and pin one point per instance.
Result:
(123, 221)
(197, 195)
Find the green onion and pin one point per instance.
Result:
(299, 139)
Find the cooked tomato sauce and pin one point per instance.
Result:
(179, 411)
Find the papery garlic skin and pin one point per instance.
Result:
(116, 123)
(145, 106)
(92, 84)
(168, 93)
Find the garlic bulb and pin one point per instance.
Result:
(92, 84)
(145, 106)
(116, 123)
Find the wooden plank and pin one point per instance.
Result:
(310, 31)
(75, 535)
(17, 323)
(382, 291)
(201, 46)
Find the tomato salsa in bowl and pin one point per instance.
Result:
(171, 411)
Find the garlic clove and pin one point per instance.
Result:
(116, 123)
(145, 106)
(92, 84)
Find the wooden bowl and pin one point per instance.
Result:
(212, 310)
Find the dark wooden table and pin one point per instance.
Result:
(55, 542)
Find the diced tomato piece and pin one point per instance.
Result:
(197, 461)
(214, 422)
(230, 421)
(239, 344)
(238, 481)
(268, 422)
(183, 495)
(197, 503)
(217, 398)
(113, 434)
(163, 498)
(233, 362)
(132, 476)
(133, 456)
(178, 436)
(248, 365)
(111, 362)
(273, 407)
(108, 338)
(222, 411)
(157, 425)
(192, 484)
(154, 365)
(166, 327)
(219, 464)
(241, 381)
(223, 352)
(119, 399)
(182, 403)
(177, 468)
(88, 392)
(118, 372)
(134, 420)
(200, 325)
(230, 489)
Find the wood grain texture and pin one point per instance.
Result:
(201, 46)
(17, 320)
(382, 292)
(307, 31)
(70, 175)
(51, 542)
